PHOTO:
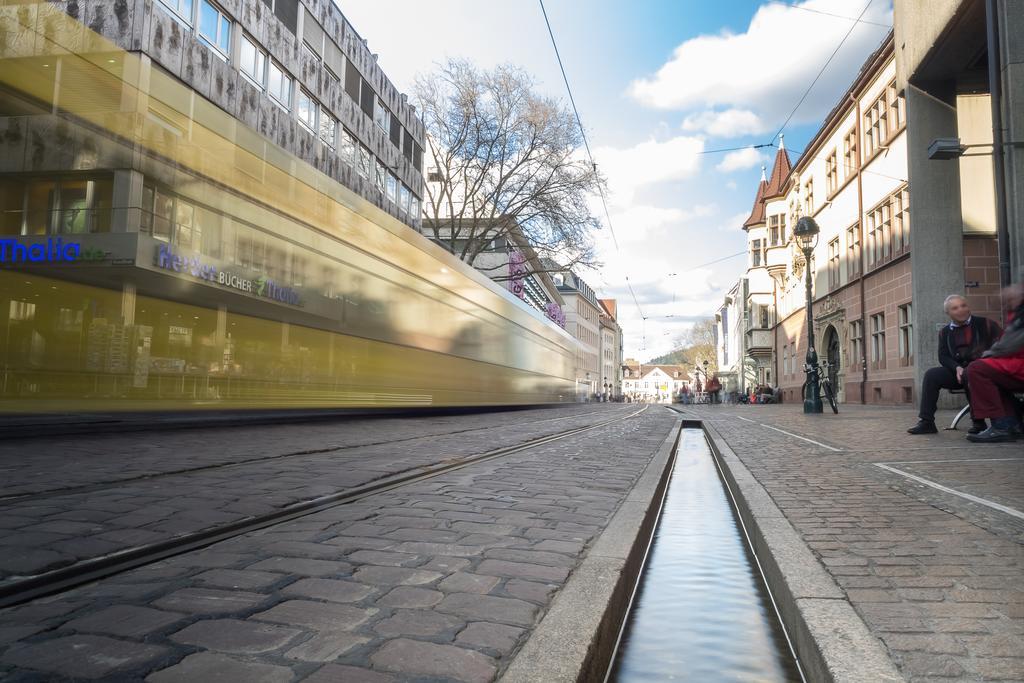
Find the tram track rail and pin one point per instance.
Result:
(23, 589)
(331, 448)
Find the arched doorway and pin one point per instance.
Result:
(832, 355)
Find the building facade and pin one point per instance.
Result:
(731, 333)
(963, 228)
(852, 179)
(643, 382)
(611, 350)
(583, 322)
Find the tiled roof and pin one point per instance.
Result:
(780, 171)
(757, 213)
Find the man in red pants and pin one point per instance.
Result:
(995, 376)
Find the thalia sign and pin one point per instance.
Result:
(53, 251)
(262, 286)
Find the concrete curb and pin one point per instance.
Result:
(831, 641)
(576, 638)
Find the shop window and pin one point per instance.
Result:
(185, 228)
(12, 207)
(41, 202)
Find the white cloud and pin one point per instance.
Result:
(648, 163)
(730, 123)
(766, 69)
(740, 159)
(732, 185)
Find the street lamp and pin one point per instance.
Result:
(806, 235)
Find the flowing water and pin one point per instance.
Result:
(701, 612)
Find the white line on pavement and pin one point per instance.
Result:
(795, 436)
(927, 462)
(945, 489)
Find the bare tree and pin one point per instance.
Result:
(699, 344)
(504, 162)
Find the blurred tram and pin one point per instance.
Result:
(174, 259)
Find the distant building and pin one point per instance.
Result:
(611, 349)
(582, 321)
(660, 383)
(731, 327)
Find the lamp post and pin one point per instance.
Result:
(806, 235)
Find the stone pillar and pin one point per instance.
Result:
(1011, 24)
(127, 214)
(936, 223)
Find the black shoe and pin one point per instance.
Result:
(923, 427)
(977, 427)
(993, 435)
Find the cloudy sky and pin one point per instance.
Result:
(657, 83)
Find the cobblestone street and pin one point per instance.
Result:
(442, 579)
(925, 534)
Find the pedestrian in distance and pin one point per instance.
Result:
(999, 373)
(962, 341)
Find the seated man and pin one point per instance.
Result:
(997, 375)
(963, 340)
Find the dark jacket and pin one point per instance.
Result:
(984, 333)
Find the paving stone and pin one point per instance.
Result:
(489, 608)
(321, 616)
(414, 657)
(238, 578)
(207, 666)
(124, 620)
(417, 623)
(27, 561)
(410, 596)
(333, 590)
(446, 565)
(389, 559)
(82, 656)
(234, 635)
(301, 566)
(522, 570)
(492, 636)
(532, 557)
(465, 582)
(210, 601)
(336, 673)
(569, 547)
(326, 646)
(394, 575)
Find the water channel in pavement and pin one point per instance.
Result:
(701, 611)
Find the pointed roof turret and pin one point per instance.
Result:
(757, 213)
(780, 171)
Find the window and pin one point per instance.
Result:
(833, 263)
(785, 360)
(900, 222)
(404, 197)
(352, 80)
(897, 109)
(349, 149)
(391, 188)
(365, 162)
(279, 84)
(332, 78)
(381, 116)
(214, 28)
(414, 207)
(831, 174)
(876, 127)
(328, 128)
(253, 62)
(809, 197)
(878, 341)
(773, 230)
(856, 342)
(853, 252)
(906, 334)
(380, 176)
(306, 109)
(181, 8)
(288, 12)
(850, 160)
(755, 253)
(366, 97)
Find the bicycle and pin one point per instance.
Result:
(825, 384)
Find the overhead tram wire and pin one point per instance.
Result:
(820, 72)
(586, 145)
(838, 16)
